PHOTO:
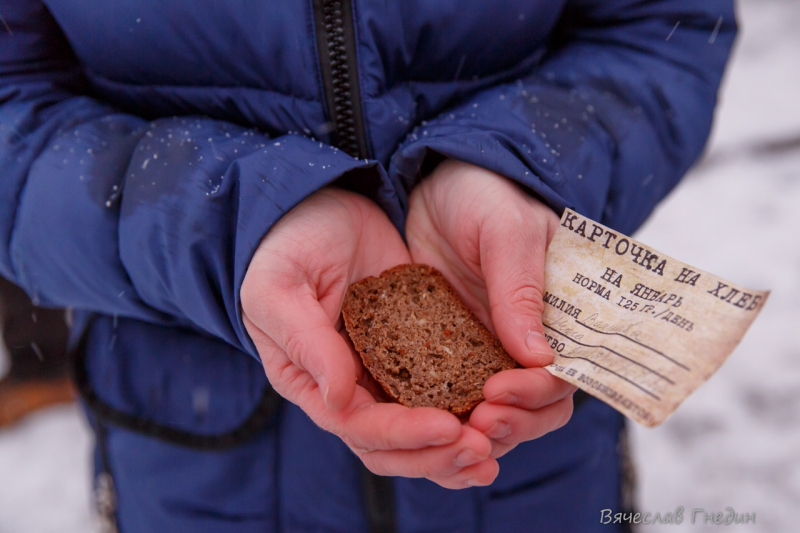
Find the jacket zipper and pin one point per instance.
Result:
(336, 45)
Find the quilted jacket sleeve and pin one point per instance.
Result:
(609, 121)
(110, 213)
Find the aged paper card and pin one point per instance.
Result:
(632, 326)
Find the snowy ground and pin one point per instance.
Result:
(736, 441)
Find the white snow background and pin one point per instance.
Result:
(735, 442)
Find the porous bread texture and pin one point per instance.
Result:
(420, 341)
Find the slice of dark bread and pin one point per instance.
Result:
(420, 341)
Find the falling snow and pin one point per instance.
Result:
(673, 30)
(715, 32)
(733, 443)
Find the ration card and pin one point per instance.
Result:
(632, 326)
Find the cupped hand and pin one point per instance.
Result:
(291, 301)
(489, 237)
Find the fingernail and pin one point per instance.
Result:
(322, 383)
(472, 482)
(499, 430)
(441, 441)
(468, 458)
(537, 344)
(505, 398)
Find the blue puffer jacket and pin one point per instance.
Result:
(146, 147)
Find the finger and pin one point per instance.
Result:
(477, 475)
(305, 333)
(437, 462)
(364, 424)
(388, 426)
(512, 425)
(513, 245)
(499, 449)
(528, 388)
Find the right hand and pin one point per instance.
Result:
(488, 237)
(291, 302)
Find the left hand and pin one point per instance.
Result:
(488, 238)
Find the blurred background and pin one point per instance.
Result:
(734, 443)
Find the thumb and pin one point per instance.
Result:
(512, 249)
(305, 332)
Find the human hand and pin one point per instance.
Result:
(488, 237)
(291, 301)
